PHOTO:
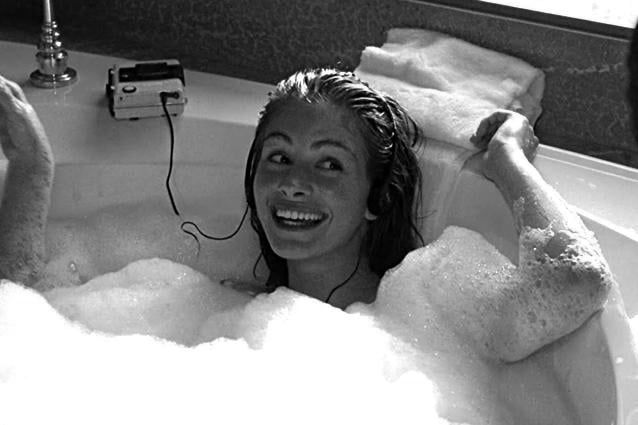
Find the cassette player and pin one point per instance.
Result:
(136, 89)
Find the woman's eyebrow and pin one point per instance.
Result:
(277, 135)
(334, 143)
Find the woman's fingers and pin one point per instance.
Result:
(20, 130)
(6, 95)
(5, 105)
(15, 89)
(531, 147)
(488, 127)
(12, 98)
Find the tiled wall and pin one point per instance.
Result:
(265, 40)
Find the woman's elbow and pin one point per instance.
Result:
(570, 269)
(592, 282)
(548, 312)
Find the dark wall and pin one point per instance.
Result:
(265, 40)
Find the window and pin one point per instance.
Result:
(622, 13)
(614, 18)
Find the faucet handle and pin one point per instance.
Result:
(52, 59)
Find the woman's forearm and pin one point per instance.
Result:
(23, 216)
(536, 205)
(27, 186)
(564, 277)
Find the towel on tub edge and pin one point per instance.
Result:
(448, 85)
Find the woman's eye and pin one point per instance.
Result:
(331, 164)
(278, 158)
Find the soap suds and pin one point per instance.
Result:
(158, 342)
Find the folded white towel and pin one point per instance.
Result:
(449, 85)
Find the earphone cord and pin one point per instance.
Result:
(215, 238)
(356, 267)
(163, 97)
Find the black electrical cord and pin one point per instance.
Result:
(215, 238)
(356, 267)
(164, 96)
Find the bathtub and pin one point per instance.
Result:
(101, 162)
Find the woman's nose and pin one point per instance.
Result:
(295, 184)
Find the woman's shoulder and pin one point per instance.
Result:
(245, 287)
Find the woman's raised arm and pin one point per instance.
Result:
(562, 276)
(27, 187)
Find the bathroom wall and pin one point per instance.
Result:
(265, 40)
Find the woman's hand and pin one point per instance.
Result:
(504, 136)
(22, 136)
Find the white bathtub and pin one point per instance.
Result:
(102, 162)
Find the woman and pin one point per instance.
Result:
(331, 182)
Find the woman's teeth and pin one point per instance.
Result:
(298, 216)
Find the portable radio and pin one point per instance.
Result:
(137, 89)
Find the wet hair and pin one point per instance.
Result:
(392, 166)
(632, 92)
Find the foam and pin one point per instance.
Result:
(152, 297)
(212, 354)
(81, 248)
(56, 370)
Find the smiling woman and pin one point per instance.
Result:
(311, 197)
(331, 184)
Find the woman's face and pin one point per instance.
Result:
(311, 184)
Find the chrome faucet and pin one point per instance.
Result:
(52, 69)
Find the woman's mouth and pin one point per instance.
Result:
(291, 218)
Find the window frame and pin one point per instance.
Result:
(575, 24)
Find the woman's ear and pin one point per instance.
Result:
(369, 216)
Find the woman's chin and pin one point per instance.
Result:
(294, 250)
(295, 241)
